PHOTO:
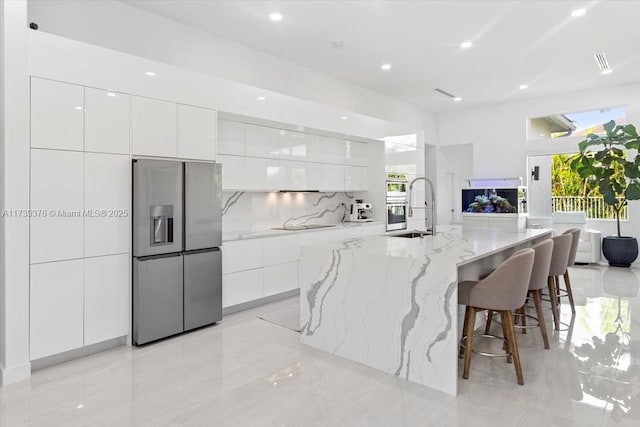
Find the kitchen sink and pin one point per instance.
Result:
(413, 234)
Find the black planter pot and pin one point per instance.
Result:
(620, 251)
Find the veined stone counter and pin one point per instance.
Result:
(391, 302)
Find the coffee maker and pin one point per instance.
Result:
(360, 212)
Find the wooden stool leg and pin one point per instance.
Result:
(489, 318)
(543, 327)
(567, 283)
(471, 323)
(553, 297)
(524, 319)
(513, 345)
(464, 331)
(505, 345)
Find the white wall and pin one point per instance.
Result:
(499, 135)
(122, 27)
(14, 166)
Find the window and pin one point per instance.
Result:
(578, 124)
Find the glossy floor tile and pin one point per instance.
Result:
(249, 372)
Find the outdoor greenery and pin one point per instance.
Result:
(603, 161)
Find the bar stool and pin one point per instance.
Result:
(541, 264)
(559, 262)
(575, 233)
(503, 290)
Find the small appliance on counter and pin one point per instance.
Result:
(360, 212)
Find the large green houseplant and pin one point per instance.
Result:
(605, 160)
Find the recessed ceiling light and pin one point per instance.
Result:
(457, 99)
(344, 118)
(150, 73)
(275, 16)
(385, 67)
(607, 71)
(466, 45)
(111, 94)
(523, 86)
(80, 406)
(261, 98)
(578, 12)
(78, 107)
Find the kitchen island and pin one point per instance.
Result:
(391, 302)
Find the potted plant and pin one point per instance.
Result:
(603, 159)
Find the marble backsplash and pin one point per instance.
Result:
(255, 211)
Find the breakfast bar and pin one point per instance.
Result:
(390, 302)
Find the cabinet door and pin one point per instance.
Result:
(57, 115)
(231, 137)
(106, 298)
(355, 178)
(241, 287)
(56, 306)
(106, 123)
(332, 177)
(280, 278)
(263, 174)
(107, 197)
(57, 189)
(196, 133)
(333, 150)
(154, 127)
(233, 172)
(280, 249)
(355, 153)
(241, 255)
(265, 142)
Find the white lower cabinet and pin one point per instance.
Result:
(280, 278)
(106, 298)
(240, 255)
(56, 308)
(242, 286)
(280, 249)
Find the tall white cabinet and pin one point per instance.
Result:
(82, 141)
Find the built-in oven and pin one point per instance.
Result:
(396, 215)
(397, 185)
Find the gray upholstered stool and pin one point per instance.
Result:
(567, 292)
(559, 262)
(503, 290)
(538, 281)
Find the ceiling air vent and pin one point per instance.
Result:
(601, 59)
(445, 93)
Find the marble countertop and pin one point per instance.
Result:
(257, 233)
(467, 243)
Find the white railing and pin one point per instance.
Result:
(595, 207)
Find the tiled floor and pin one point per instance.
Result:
(249, 372)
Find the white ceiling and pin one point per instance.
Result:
(515, 42)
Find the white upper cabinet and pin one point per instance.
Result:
(106, 126)
(107, 193)
(231, 137)
(106, 298)
(154, 127)
(263, 174)
(332, 177)
(355, 153)
(57, 191)
(265, 142)
(196, 133)
(56, 308)
(355, 178)
(234, 176)
(57, 115)
(333, 150)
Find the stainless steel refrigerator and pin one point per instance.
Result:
(177, 234)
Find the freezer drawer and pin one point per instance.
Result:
(157, 297)
(157, 207)
(202, 288)
(202, 205)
